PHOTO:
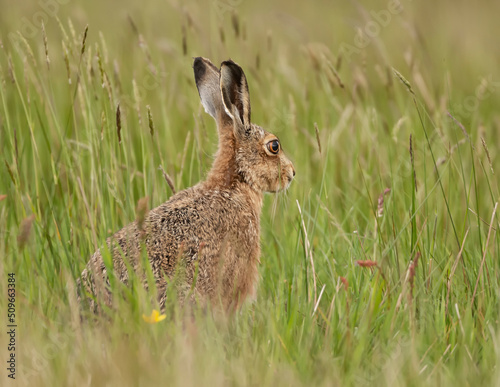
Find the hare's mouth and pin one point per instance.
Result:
(285, 183)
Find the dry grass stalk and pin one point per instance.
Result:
(462, 128)
(413, 164)
(73, 305)
(103, 122)
(308, 251)
(310, 138)
(28, 50)
(453, 269)
(16, 149)
(11, 174)
(400, 298)
(25, 231)
(332, 303)
(317, 136)
(104, 47)
(184, 154)
(222, 36)
(141, 210)
(169, 180)
(487, 154)
(313, 56)
(184, 41)
(27, 83)
(133, 25)
(452, 150)
(10, 69)
(101, 69)
(109, 89)
(335, 72)
(66, 61)
(89, 214)
(45, 45)
(411, 275)
(484, 254)
(319, 299)
(293, 111)
(116, 76)
(63, 30)
(235, 23)
(137, 101)
(424, 92)
(72, 32)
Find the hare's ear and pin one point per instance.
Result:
(206, 76)
(235, 95)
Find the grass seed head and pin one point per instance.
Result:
(235, 21)
(222, 36)
(84, 40)
(141, 211)
(45, 45)
(119, 124)
(487, 154)
(150, 121)
(380, 203)
(25, 231)
(366, 263)
(66, 61)
(411, 275)
(184, 41)
(168, 179)
(403, 80)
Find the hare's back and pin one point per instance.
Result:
(184, 226)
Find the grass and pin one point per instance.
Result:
(379, 266)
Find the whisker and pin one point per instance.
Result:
(274, 207)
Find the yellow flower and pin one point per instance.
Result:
(154, 318)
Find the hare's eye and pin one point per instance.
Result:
(273, 146)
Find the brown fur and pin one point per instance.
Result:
(213, 228)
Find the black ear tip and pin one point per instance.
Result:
(202, 65)
(199, 68)
(198, 62)
(235, 69)
(229, 63)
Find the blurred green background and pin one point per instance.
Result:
(322, 77)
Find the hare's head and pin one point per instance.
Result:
(246, 151)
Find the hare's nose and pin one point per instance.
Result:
(293, 171)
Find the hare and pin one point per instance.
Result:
(213, 228)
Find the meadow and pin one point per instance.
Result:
(380, 265)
